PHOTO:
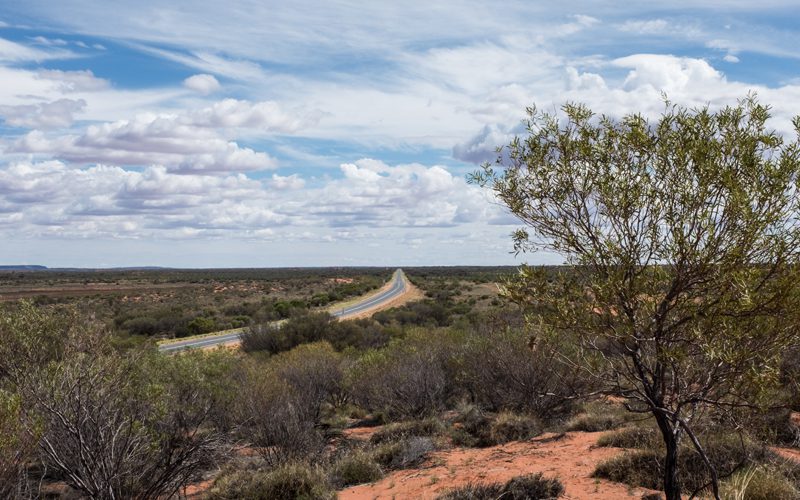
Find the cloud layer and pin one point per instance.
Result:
(340, 124)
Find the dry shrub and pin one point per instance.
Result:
(474, 428)
(644, 467)
(759, 483)
(278, 420)
(400, 430)
(599, 416)
(509, 426)
(400, 382)
(527, 487)
(403, 454)
(502, 371)
(355, 468)
(288, 482)
(636, 437)
(17, 446)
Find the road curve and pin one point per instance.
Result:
(398, 286)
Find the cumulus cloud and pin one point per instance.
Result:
(203, 84)
(48, 197)
(56, 114)
(288, 182)
(52, 198)
(375, 194)
(186, 142)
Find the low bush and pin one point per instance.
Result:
(355, 468)
(633, 438)
(404, 453)
(277, 419)
(509, 426)
(473, 491)
(533, 486)
(644, 467)
(599, 416)
(501, 371)
(401, 382)
(287, 482)
(636, 468)
(473, 428)
(759, 483)
(592, 423)
(315, 327)
(527, 487)
(400, 430)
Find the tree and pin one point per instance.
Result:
(682, 240)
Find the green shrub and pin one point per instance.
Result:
(287, 482)
(400, 430)
(527, 487)
(355, 468)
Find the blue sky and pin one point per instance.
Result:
(253, 133)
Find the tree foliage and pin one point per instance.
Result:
(682, 237)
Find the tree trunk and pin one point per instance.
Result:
(672, 485)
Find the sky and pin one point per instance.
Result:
(253, 133)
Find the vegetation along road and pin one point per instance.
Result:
(396, 287)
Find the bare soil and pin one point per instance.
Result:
(571, 458)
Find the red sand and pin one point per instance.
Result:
(571, 459)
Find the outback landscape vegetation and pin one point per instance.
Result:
(669, 337)
(437, 250)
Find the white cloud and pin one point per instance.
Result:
(202, 84)
(187, 142)
(288, 182)
(15, 52)
(56, 114)
(266, 115)
(375, 194)
(73, 81)
(645, 27)
(57, 42)
(50, 198)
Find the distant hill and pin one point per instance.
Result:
(23, 268)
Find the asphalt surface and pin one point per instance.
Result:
(398, 288)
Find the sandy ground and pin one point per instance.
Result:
(571, 458)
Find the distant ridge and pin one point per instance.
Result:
(76, 269)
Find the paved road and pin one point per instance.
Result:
(397, 288)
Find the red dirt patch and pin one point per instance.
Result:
(571, 459)
(360, 433)
(790, 453)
